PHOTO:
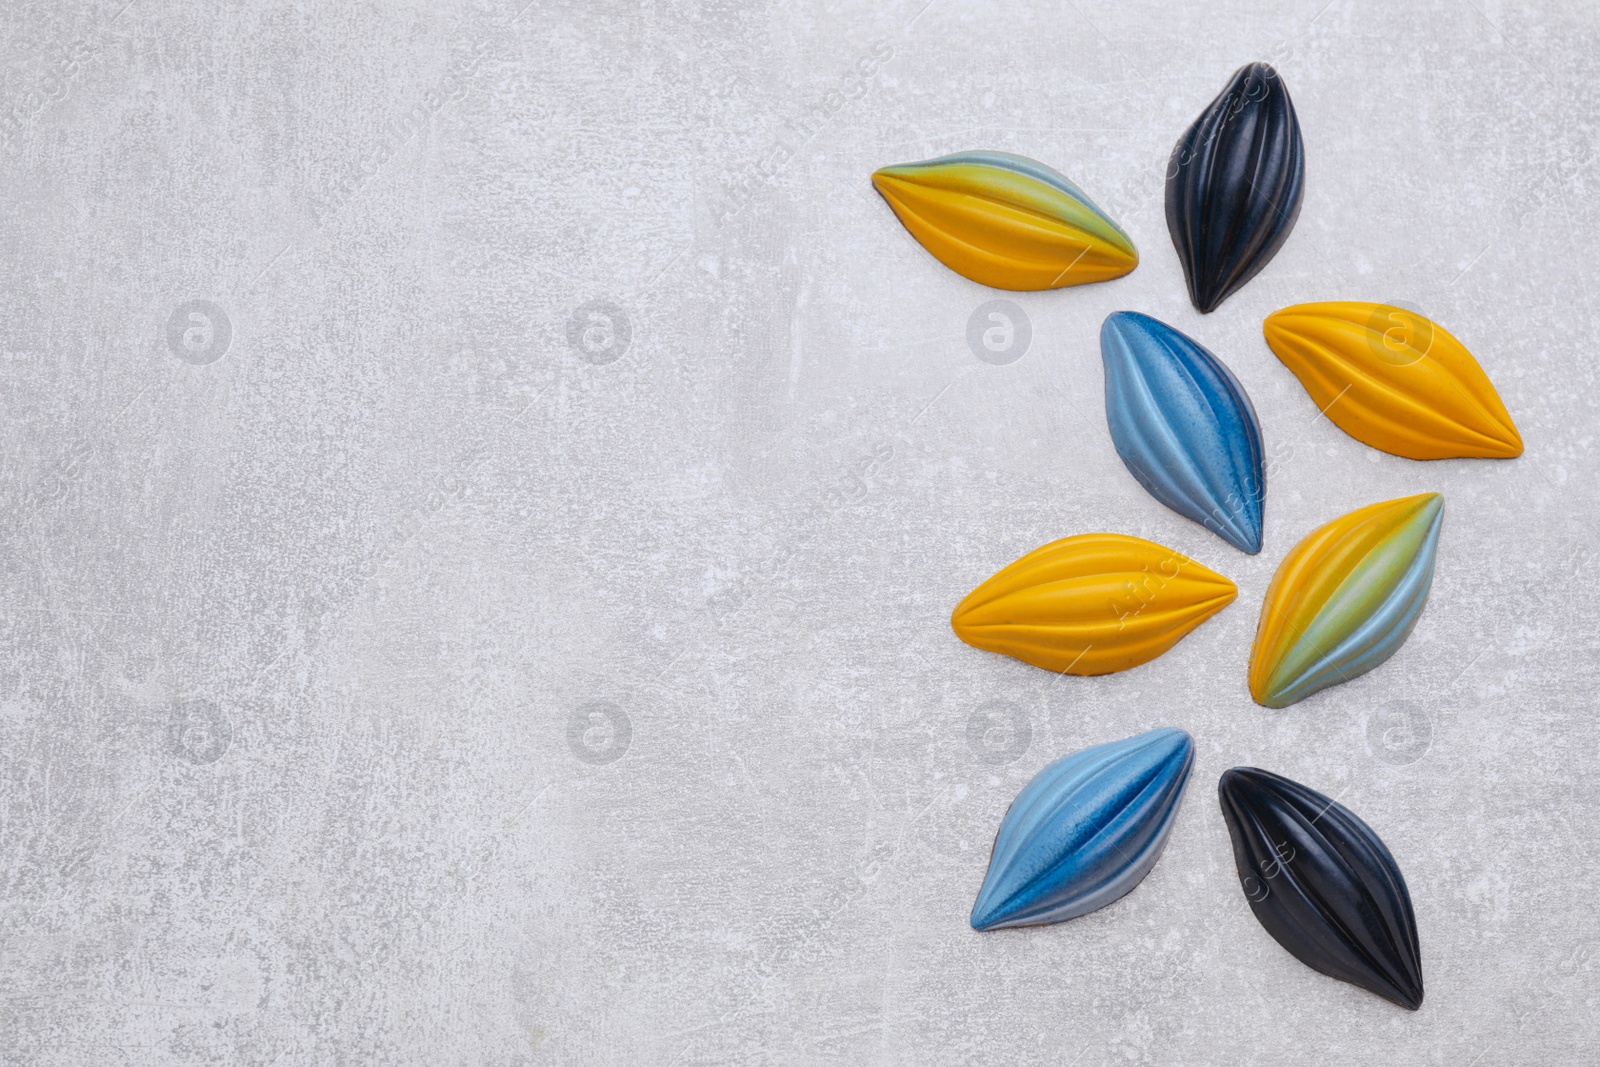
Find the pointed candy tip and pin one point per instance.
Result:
(1118, 321)
(985, 920)
(1234, 779)
(993, 909)
(1276, 692)
(1177, 744)
(1176, 733)
(1244, 535)
(1273, 699)
(1180, 747)
(1429, 506)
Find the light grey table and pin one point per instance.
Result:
(484, 490)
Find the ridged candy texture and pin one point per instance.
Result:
(1345, 599)
(1184, 427)
(1394, 380)
(1091, 604)
(1234, 185)
(1323, 884)
(1006, 221)
(1084, 831)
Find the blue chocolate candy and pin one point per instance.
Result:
(1184, 427)
(1084, 831)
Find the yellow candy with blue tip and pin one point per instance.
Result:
(1345, 599)
(1006, 221)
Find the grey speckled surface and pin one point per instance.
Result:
(444, 676)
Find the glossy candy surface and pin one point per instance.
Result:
(1234, 185)
(1091, 604)
(1084, 831)
(1184, 427)
(1345, 599)
(1323, 884)
(1394, 380)
(1007, 221)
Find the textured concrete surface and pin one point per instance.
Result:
(484, 489)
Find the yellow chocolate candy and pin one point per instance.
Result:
(1394, 380)
(1091, 604)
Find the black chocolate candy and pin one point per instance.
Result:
(1322, 884)
(1234, 185)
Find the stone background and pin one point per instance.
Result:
(505, 620)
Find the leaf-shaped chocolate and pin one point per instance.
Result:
(1184, 426)
(1394, 380)
(1234, 185)
(1084, 831)
(1345, 598)
(1006, 220)
(1091, 604)
(1323, 884)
